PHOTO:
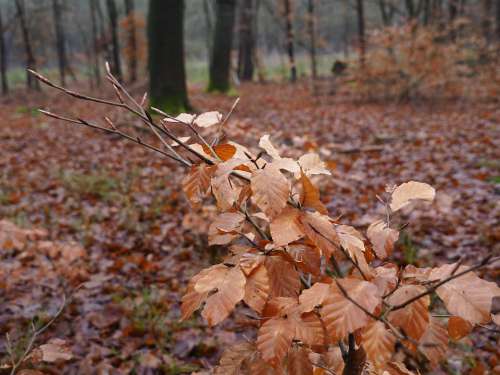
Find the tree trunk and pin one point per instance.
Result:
(410, 8)
(247, 41)
(452, 9)
(383, 12)
(486, 21)
(208, 25)
(346, 31)
(361, 31)
(289, 40)
(498, 21)
(220, 64)
(60, 40)
(95, 42)
(311, 20)
(427, 12)
(3, 58)
(132, 40)
(31, 82)
(115, 44)
(167, 74)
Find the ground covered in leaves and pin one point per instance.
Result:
(104, 222)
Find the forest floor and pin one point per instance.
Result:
(112, 219)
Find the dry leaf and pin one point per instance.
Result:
(340, 315)
(382, 238)
(467, 296)
(409, 191)
(286, 227)
(311, 164)
(271, 190)
(257, 289)
(378, 342)
(434, 343)
(414, 318)
(274, 339)
(284, 278)
(55, 350)
(208, 119)
(196, 184)
(321, 232)
(233, 359)
(298, 361)
(310, 196)
(458, 328)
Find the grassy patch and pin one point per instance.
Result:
(99, 185)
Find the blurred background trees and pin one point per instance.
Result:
(217, 44)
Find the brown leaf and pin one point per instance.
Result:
(340, 315)
(270, 191)
(208, 119)
(228, 289)
(321, 232)
(310, 196)
(298, 361)
(382, 238)
(414, 318)
(224, 228)
(224, 151)
(385, 278)
(378, 342)
(286, 228)
(274, 339)
(196, 184)
(257, 289)
(233, 359)
(192, 300)
(224, 191)
(314, 296)
(284, 278)
(307, 258)
(458, 327)
(55, 350)
(467, 296)
(397, 368)
(409, 191)
(434, 342)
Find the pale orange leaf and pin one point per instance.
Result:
(270, 191)
(409, 191)
(286, 227)
(382, 238)
(378, 342)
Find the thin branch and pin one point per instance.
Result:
(489, 259)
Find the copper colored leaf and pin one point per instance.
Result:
(307, 258)
(340, 315)
(298, 361)
(233, 359)
(284, 278)
(414, 318)
(434, 342)
(196, 184)
(308, 327)
(270, 191)
(467, 296)
(225, 228)
(257, 289)
(225, 151)
(397, 368)
(333, 360)
(314, 296)
(458, 327)
(228, 287)
(55, 350)
(378, 342)
(274, 339)
(320, 232)
(286, 227)
(385, 278)
(224, 191)
(192, 300)
(310, 196)
(409, 191)
(208, 119)
(382, 238)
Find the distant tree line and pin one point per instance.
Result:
(92, 31)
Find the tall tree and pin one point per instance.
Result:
(3, 56)
(115, 44)
(360, 9)
(95, 41)
(207, 10)
(132, 40)
(31, 82)
(410, 8)
(246, 40)
(60, 40)
(289, 39)
(167, 73)
(486, 18)
(498, 20)
(311, 22)
(220, 63)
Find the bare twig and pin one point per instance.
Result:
(487, 260)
